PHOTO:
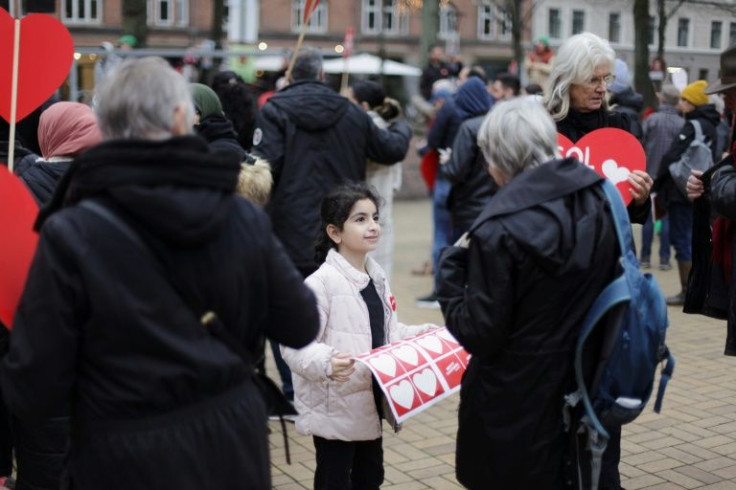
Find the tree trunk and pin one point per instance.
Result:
(517, 25)
(430, 29)
(661, 28)
(218, 14)
(642, 83)
(135, 20)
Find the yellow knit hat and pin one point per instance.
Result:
(695, 93)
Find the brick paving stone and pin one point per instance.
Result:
(662, 443)
(678, 478)
(666, 486)
(642, 482)
(439, 483)
(698, 474)
(679, 455)
(660, 465)
(715, 463)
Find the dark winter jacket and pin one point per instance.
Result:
(708, 117)
(540, 253)
(101, 332)
(708, 292)
(41, 176)
(630, 103)
(433, 72)
(578, 124)
(472, 99)
(660, 130)
(218, 131)
(315, 139)
(467, 171)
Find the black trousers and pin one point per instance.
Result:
(348, 465)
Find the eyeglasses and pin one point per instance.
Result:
(596, 81)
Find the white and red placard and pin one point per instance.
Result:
(613, 153)
(418, 372)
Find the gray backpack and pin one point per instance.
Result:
(697, 156)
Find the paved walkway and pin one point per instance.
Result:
(692, 444)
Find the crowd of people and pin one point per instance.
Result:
(180, 228)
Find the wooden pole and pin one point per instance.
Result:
(296, 52)
(344, 82)
(14, 95)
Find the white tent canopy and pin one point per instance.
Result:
(369, 64)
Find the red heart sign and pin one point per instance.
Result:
(45, 56)
(613, 153)
(18, 211)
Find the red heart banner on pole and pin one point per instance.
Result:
(45, 57)
(613, 153)
(18, 212)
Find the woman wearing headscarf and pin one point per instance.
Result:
(514, 292)
(65, 130)
(576, 98)
(212, 125)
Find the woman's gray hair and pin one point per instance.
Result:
(138, 99)
(575, 62)
(518, 135)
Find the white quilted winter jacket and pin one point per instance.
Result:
(329, 409)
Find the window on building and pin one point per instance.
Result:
(614, 27)
(82, 11)
(683, 31)
(555, 24)
(732, 34)
(504, 22)
(318, 21)
(485, 22)
(578, 21)
(182, 12)
(716, 33)
(383, 16)
(448, 21)
(703, 74)
(652, 30)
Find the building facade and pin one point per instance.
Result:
(477, 31)
(695, 34)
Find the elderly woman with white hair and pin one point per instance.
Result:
(576, 98)
(514, 292)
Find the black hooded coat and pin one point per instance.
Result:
(101, 333)
(541, 251)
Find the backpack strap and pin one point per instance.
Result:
(698, 130)
(619, 214)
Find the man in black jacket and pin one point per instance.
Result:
(315, 139)
(110, 327)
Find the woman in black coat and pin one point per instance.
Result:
(115, 325)
(514, 292)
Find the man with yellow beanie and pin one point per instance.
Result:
(694, 106)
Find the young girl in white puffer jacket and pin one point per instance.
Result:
(337, 400)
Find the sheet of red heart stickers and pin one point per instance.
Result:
(418, 372)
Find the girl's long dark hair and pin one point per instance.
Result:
(374, 95)
(335, 210)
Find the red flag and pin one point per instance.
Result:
(309, 7)
(347, 43)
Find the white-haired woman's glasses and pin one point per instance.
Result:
(596, 81)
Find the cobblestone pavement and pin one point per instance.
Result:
(692, 444)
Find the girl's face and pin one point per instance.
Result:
(360, 232)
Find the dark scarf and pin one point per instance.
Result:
(723, 229)
(180, 161)
(578, 124)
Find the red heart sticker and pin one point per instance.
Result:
(18, 211)
(612, 153)
(45, 57)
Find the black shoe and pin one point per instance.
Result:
(677, 300)
(429, 301)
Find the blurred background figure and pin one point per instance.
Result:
(238, 103)
(539, 62)
(385, 179)
(623, 99)
(660, 130)
(211, 124)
